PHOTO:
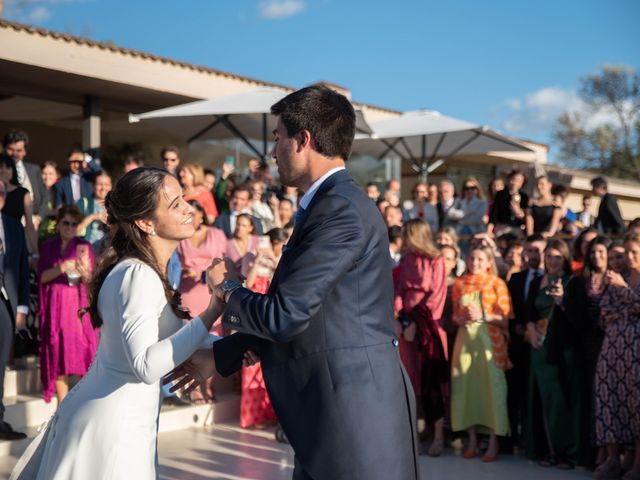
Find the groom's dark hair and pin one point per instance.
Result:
(327, 115)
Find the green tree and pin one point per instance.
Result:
(612, 147)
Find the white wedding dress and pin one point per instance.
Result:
(106, 427)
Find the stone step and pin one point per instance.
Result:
(22, 381)
(33, 409)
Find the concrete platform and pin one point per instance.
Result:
(228, 452)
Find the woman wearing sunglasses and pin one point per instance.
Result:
(67, 342)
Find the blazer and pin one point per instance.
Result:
(15, 267)
(609, 218)
(329, 356)
(64, 192)
(223, 222)
(451, 217)
(39, 195)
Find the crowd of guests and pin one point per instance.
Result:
(518, 319)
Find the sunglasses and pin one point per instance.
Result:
(77, 162)
(67, 223)
(469, 187)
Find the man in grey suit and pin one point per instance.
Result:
(14, 296)
(324, 329)
(16, 144)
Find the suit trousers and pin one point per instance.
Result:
(298, 471)
(6, 340)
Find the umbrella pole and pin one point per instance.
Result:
(264, 137)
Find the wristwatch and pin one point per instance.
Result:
(228, 287)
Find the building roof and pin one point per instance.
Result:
(110, 46)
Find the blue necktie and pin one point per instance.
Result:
(298, 217)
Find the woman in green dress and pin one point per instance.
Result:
(481, 307)
(555, 404)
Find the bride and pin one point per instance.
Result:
(106, 428)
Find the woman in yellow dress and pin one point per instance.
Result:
(481, 307)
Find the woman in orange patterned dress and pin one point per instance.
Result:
(481, 307)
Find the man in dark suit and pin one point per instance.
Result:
(518, 285)
(448, 207)
(609, 219)
(239, 204)
(14, 296)
(79, 183)
(15, 144)
(324, 329)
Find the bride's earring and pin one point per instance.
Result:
(152, 233)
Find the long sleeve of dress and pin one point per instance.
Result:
(143, 301)
(437, 289)
(618, 302)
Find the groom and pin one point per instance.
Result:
(324, 329)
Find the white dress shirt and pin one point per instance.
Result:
(309, 194)
(75, 186)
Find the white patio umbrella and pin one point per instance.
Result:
(426, 139)
(244, 116)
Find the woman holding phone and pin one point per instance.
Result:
(555, 380)
(67, 343)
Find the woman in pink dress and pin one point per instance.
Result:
(255, 406)
(68, 342)
(196, 254)
(243, 246)
(420, 294)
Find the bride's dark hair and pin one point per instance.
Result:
(135, 197)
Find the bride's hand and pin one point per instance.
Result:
(219, 271)
(192, 373)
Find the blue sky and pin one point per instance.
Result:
(514, 65)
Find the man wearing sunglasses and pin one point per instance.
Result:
(14, 296)
(78, 184)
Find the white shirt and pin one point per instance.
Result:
(309, 194)
(75, 186)
(531, 273)
(26, 181)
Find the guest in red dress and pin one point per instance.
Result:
(255, 406)
(421, 290)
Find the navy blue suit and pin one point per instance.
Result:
(64, 192)
(325, 338)
(223, 222)
(14, 278)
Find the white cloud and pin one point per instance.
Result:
(277, 9)
(537, 112)
(39, 14)
(32, 11)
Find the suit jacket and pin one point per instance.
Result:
(15, 268)
(223, 222)
(39, 195)
(64, 192)
(516, 287)
(451, 217)
(329, 357)
(609, 217)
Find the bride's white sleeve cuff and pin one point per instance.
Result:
(209, 339)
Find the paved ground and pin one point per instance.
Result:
(227, 452)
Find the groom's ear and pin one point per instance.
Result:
(145, 225)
